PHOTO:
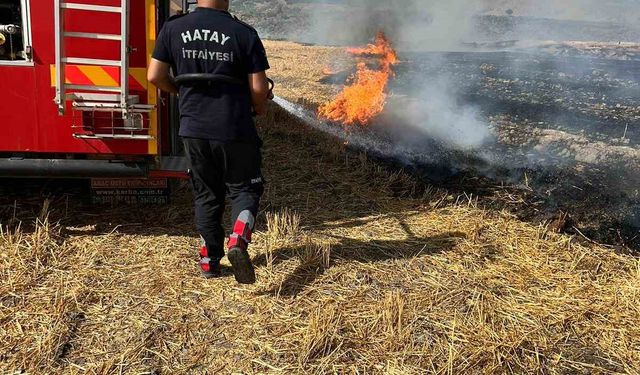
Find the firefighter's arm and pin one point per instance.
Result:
(159, 75)
(260, 92)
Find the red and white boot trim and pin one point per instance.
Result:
(204, 258)
(242, 229)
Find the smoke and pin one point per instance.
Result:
(436, 25)
(619, 11)
(408, 153)
(435, 111)
(412, 25)
(428, 25)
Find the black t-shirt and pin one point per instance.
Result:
(212, 41)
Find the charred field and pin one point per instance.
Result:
(564, 123)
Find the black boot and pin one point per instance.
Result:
(242, 266)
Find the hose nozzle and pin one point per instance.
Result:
(9, 29)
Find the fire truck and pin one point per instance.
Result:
(74, 99)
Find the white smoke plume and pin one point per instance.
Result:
(435, 112)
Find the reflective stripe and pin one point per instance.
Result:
(242, 230)
(152, 93)
(205, 264)
(101, 76)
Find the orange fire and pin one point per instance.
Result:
(365, 97)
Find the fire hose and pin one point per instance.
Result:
(207, 78)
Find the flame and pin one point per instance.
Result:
(366, 96)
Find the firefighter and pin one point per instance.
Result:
(216, 124)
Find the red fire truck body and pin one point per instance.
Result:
(101, 124)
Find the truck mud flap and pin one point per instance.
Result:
(171, 167)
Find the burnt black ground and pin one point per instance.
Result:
(596, 97)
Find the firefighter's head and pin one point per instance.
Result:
(216, 4)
